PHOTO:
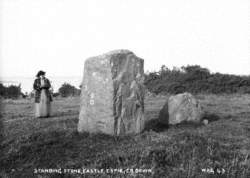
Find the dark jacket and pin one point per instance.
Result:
(37, 87)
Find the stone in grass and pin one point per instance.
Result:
(112, 94)
(205, 121)
(184, 108)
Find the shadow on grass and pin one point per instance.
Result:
(186, 124)
(68, 113)
(155, 125)
(210, 117)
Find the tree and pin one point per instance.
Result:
(68, 90)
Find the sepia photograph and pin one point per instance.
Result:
(124, 89)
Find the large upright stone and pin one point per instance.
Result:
(184, 108)
(112, 94)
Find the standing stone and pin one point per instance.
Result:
(112, 94)
(184, 108)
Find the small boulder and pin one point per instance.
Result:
(184, 108)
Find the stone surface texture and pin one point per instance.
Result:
(112, 94)
(184, 108)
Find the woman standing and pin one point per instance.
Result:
(42, 95)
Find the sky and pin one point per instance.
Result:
(58, 35)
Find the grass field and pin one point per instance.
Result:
(177, 151)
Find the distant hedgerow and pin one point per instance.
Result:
(195, 79)
(11, 91)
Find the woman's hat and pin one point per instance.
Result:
(40, 73)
